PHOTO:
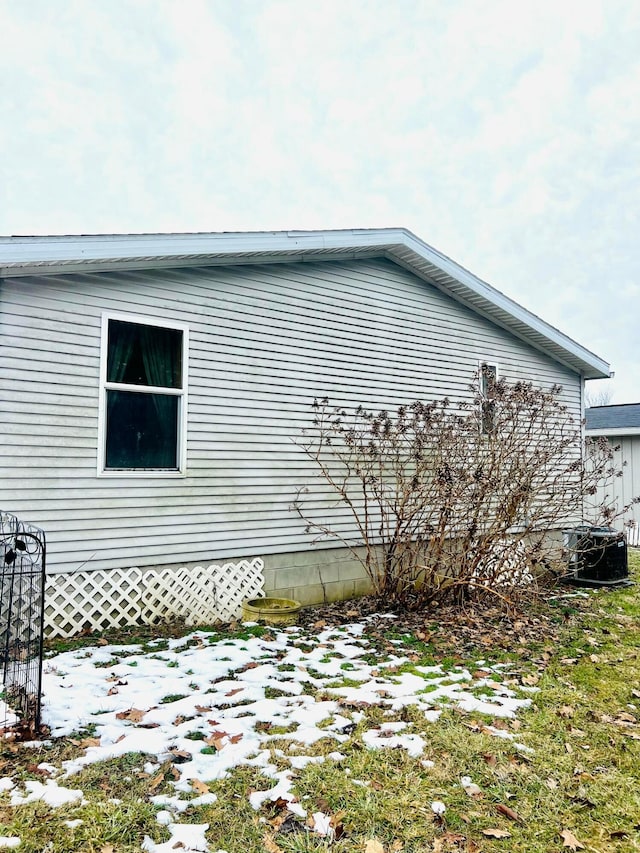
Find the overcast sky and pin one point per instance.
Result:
(505, 134)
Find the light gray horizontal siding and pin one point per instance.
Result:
(264, 341)
(627, 487)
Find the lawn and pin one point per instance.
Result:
(350, 732)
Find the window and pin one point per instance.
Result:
(143, 403)
(488, 379)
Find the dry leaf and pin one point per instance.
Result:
(625, 718)
(234, 691)
(530, 679)
(107, 848)
(373, 846)
(569, 840)
(335, 822)
(156, 781)
(551, 784)
(216, 739)
(134, 715)
(179, 756)
(453, 838)
(40, 771)
(270, 845)
(90, 741)
(496, 833)
(566, 711)
(397, 846)
(594, 659)
(102, 642)
(203, 709)
(199, 786)
(507, 812)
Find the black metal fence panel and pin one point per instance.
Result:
(22, 583)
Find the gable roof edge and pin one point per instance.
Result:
(21, 256)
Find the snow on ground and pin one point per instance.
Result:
(212, 704)
(51, 793)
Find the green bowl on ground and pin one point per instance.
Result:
(272, 611)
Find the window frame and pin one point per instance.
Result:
(485, 362)
(181, 393)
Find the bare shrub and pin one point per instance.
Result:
(435, 498)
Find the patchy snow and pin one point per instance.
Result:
(51, 793)
(210, 704)
(322, 825)
(381, 739)
(9, 841)
(438, 808)
(9, 717)
(177, 804)
(187, 837)
(51, 769)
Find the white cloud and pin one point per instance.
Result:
(505, 134)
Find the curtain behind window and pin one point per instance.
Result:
(142, 428)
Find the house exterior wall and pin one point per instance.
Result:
(627, 487)
(264, 341)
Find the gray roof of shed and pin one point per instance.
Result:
(21, 256)
(625, 417)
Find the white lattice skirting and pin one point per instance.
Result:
(102, 600)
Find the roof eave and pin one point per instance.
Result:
(21, 256)
(621, 432)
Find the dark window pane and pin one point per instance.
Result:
(489, 375)
(142, 430)
(144, 355)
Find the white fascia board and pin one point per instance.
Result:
(622, 432)
(21, 256)
(496, 306)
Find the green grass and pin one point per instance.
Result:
(582, 776)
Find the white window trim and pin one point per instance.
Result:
(182, 393)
